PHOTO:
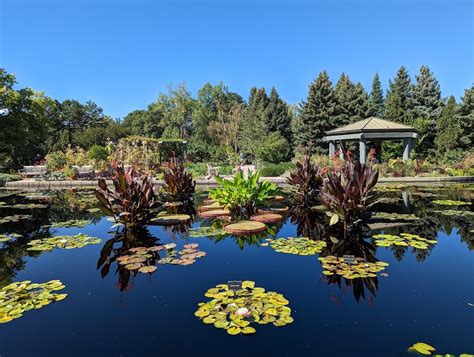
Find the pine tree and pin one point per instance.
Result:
(279, 116)
(426, 108)
(448, 128)
(316, 114)
(398, 105)
(361, 102)
(466, 119)
(351, 102)
(254, 121)
(376, 99)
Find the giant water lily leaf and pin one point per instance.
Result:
(206, 232)
(22, 296)
(63, 242)
(404, 239)
(298, 246)
(356, 268)
(236, 310)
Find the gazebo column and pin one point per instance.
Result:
(341, 150)
(407, 146)
(332, 149)
(362, 151)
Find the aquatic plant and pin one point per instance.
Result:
(25, 206)
(215, 213)
(394, 216)
(235, 310)
(451, 203)
(206, 232)
(179, 185)
(298, 246)
(356, 268)
(346, 195)
(305, 181)
(245, 228)
(170, 219)
(266, 217)
(133, 202)
(72, 223)
(404, 239)
(63, 242)
(186, 256)
(242, 196)
(15, 218)
(456, 213)
(140, 258)
(8, 237)
(18, 297)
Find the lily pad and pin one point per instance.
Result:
(245, 228)
(267, 217)
(280, 210)
(14, 218)
(215, 213)
(210, 207)
(394, 216)
(22, 296)
(358, 268)
(170, 219)
(64, 242)
(25, 206)
(8, 237)
(451, 203)
(73, 223)
(454, 213)
(404, 239)
(422, 348)
(236, 310)
(298, 246)
(206, 232)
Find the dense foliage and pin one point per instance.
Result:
(179, 185)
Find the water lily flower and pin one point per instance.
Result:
(243, 312)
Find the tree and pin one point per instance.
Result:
(466, 119)
(448, 128)
(376, 99)
(254, 127)
(426, 109)
(398, 105)
(316, 114)
(279, 116)
(225, 130)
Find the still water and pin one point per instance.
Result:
(423, 295)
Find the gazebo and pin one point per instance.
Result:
(371, 129)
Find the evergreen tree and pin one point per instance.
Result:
(426, 108)
(448, 128)
(317, 114)
(398, 105)
(279, 116)
(376, 99)
(466, 119)
(351, 102)
(361, 102)
(254, 126)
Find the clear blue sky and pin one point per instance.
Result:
(121, 54)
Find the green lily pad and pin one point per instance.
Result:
(63, 242)
(236, 311)
(206, 232)
(73, 223)
(358, 268)
(298, 246)
(451, 203)
(14, 218)
(170, 219)
(422, 348)
(404, 239)
(245, 228)
(25, 206)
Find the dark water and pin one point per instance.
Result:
(424, 298)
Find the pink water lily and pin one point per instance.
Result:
(243, 312)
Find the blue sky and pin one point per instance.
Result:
(121, 54)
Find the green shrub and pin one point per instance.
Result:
(56, 160)
(198, 169)
(98, 153)
(8, 178)
(273, 149)
(273, 170)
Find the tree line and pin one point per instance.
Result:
(218, 123)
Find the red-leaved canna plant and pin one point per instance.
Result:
(134, 200)
(347, 194)
(179, 184)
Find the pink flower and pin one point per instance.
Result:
(242, 312)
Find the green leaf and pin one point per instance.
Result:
(334, 219)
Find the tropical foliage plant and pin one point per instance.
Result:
(133, 201)
(179, 184)
(347, 194)
(242, 195)
(305, 181)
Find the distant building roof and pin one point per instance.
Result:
(371, 124)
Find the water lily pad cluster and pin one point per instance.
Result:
(351, 270)
(298, 246)
(394, 216)
(8, 237)
(22, 296)
(235, 310)
(451, 203)
(404, 240)
(454, 213)
(63, 242)
(73, 223)
(187, 256)
(139, 258)
(14, 218)
(205, 232)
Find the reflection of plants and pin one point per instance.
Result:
(347, 193)
(357, 268)
(298, 246)
(132, 202)
(64, 242)
(22, 296)
(242, 196)
(236, 310)
(305, 181)
(404, 239)
(179, 185)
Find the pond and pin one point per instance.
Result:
(117, 308)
